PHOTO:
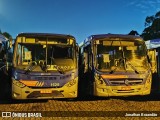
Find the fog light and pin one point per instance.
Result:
(19, 84)
(104, 90)
(73, 93)
(15, 94)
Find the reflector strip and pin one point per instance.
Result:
(114, 76)
(29, 82)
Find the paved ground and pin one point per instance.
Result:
(87, 107)
(83, 108)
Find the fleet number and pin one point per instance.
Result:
(55, 84)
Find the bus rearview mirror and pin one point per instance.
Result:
(153, 60)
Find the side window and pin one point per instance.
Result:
(27, 57)
(19, 54)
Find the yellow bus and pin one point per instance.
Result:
(44, 66)
(116, 65)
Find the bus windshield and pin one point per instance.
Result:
(44, 53)
(121, 55)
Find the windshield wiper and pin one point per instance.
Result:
(59, 69)
(45, 68)
(112, 71)
(121, 60)
(31, 67)
(133, 67)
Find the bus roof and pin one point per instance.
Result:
(103, 36)
(45, 35)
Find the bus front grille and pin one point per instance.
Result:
(125, 81)
(62, 77)
(45, 78)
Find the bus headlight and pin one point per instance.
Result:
(99, 80)
(19, 76)
(19, 84)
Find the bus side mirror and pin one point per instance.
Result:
(85, 60)
(153, 60)
(10, 42)
(77, 48)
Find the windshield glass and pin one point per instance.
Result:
(120, 55)
(44, 52)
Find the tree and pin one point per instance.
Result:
(7, 35)
(146, 33)
(156, 25)
(133, 32)
(157, 15)
(149, 20)
(152, 27)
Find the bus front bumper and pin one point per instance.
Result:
(107, 91)
(44, 93)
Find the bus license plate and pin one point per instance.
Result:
(126, 88)
(46, 91)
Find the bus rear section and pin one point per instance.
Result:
(116, 65)
(44, 66)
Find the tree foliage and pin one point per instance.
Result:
(152, 27)
(7, 35)
(133, 32)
